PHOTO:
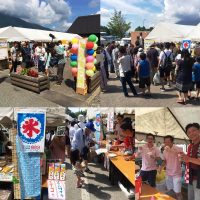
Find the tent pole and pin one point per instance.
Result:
(176, 120)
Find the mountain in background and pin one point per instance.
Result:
(7, 20)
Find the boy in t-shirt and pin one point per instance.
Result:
(144, 74)
(196, 70)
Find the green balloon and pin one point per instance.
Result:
(92, 38)
(97, 39)
(73, 63)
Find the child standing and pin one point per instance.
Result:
(196, 70)
(144, 74)
(78, 170)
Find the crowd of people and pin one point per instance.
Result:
(79, 138)
(173, 159)
(164, 64)
(42, 56)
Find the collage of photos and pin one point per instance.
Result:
(99, 100)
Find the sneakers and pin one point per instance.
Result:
(162, 89)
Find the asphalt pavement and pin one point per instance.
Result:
(97, 186)
(114, 96)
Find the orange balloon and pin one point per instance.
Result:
(74, 71)
(89, 66)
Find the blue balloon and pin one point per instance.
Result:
(73, 57)
(90, 52)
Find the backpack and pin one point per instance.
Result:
(167, 64)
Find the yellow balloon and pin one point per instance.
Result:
(74, 41)
(94, 68)
(95, 54)
(95, 47)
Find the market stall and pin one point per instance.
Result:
(7, 162)
(162, 122)
(3, 53)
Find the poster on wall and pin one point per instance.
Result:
(31, 130)
(110, 122)
(186, 44)
(3, 49)
(60, 131)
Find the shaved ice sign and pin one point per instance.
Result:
(31, 130)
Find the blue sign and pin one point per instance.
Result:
(31, 130)
(186, 44)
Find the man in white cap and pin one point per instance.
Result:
(82, 140)
(81, 122)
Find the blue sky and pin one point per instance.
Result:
(151, 12)
(83, 7)
(56, 14)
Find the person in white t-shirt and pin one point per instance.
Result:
(125, 62)
(165, 65)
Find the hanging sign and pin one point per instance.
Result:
(31, 130)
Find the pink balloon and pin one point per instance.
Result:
(90, 59)
(75, 46)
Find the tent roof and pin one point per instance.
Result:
(85, 25)
(195, 33)
(167, 32)
(165, 121)
(22, 34)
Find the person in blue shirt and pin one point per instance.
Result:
(144, 74)
(196, 70)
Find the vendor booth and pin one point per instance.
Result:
(162, 122)
(18, 158)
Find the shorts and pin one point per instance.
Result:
(84, 153)
(174, 183)
(144, 82)
(164, 72)
(149, 176)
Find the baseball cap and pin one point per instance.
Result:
(90, 126)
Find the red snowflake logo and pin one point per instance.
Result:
(30, 126)
(186, 45)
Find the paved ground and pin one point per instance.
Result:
(63, 95)
(97, 186)
(114, 97)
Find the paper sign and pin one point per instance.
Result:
(56, 171)
(51, 171)
(56, 189)
(186, 44)
(62, 172)
(81, 87)
(3, 49)
(60, 131)
(110, 122)
(31, 130)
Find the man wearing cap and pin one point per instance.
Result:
(81, 122)
(81, 141)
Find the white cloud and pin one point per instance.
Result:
(44, 13)
(94, 3)
(182, 11)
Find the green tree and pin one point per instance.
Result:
(142, 28)
(118, 25)
(105, 29)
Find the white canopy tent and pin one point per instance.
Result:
(54, 116)
(26, 34)
(194, 35)
(165, 121)
(168, 32)
(92, 111)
